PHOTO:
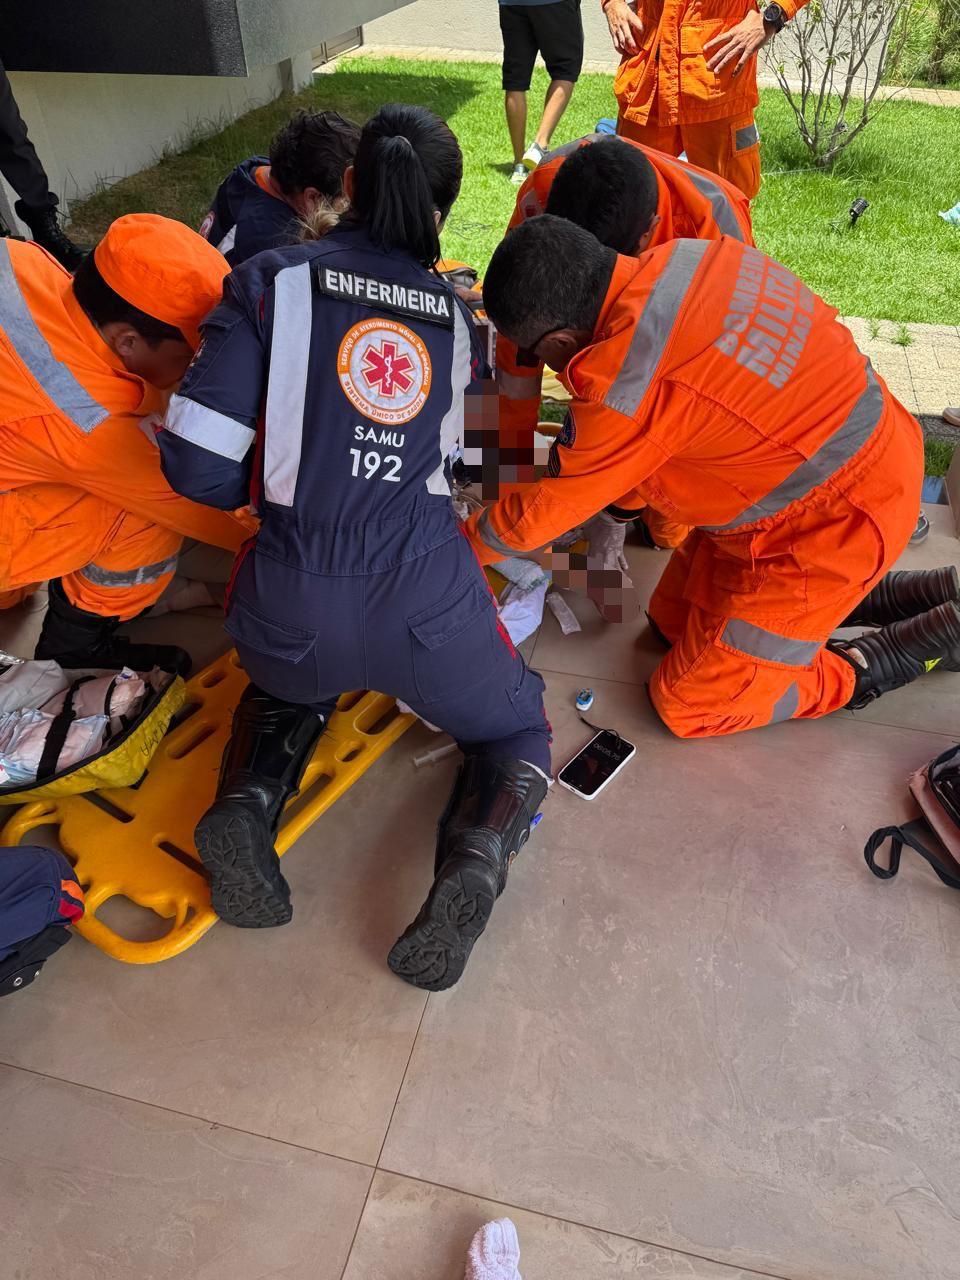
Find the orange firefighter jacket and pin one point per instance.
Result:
(724, 394)
(666, 81)
(691, 203)
(70, 413)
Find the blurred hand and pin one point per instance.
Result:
(626, 28)
(738, 44)
(605, 538)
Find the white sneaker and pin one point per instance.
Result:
(533, 155)
(519, 175)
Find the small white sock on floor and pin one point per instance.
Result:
(494, 1252)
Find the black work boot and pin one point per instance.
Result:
(485, 825)
(75, 638)
(896, 655)
(270, 746)
(903, 594)
(47, 232)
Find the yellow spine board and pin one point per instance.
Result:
(137, 841)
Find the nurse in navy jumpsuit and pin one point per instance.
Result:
(330, 392)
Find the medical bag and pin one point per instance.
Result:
(935, 834)
(120, 761)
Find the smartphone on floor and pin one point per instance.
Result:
(596, 764)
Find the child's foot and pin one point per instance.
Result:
(533, 155)
(519, 175)
(494, 1252)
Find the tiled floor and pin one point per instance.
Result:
(698, 1041)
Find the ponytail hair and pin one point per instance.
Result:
(408, 169)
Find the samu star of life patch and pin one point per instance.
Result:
(419, 301)
(384, 371)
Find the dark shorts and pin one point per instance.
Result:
(553, 30)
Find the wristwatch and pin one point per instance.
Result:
(774, 16)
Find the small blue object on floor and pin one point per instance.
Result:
(606, 125)
(584, 699)
(934, 489)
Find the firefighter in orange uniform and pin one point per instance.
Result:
(711, 384)
(632, 198)
(688, 79)
(84, 363)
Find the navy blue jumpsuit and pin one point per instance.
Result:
(245, 219)
(329, 392)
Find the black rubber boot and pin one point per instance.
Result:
(896, 655)
(903, 594)
(75, 638)
(48, 233)
(270, 746)
(485, 825)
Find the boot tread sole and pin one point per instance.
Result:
(432, 954)
(247, 889)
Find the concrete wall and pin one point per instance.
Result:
(473, 26)
(90, 130)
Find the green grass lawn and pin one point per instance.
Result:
(901, 262)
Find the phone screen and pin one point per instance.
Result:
(596, 763)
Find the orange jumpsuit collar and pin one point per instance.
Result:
(624, 272)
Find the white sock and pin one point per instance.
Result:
(494, 1252)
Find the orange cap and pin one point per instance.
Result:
(162, 268)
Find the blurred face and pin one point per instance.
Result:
(162, 364)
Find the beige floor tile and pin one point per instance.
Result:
(299, 1033)
(696, 1019)
(413, 1231)
(625, 652)
(93, 1187)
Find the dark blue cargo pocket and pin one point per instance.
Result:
(276, 656)
(453, 642)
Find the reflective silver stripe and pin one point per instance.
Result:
(33, 349)
(655, 326)
(569, 148)
(129, 577)
(785, 707)
(205, 427)
(228, 241)
(451, 427)
(515, 387)
(723, 214)
(835, 452)
(287, 383)
(754, 641)
(491, 537)
(748, 136)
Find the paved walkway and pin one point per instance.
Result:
(923, 373)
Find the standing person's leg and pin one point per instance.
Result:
(19, 162)
(559, 32)
(519, 56)
(21, 167)
(730, 148)
(455, 666)
(665, 138)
